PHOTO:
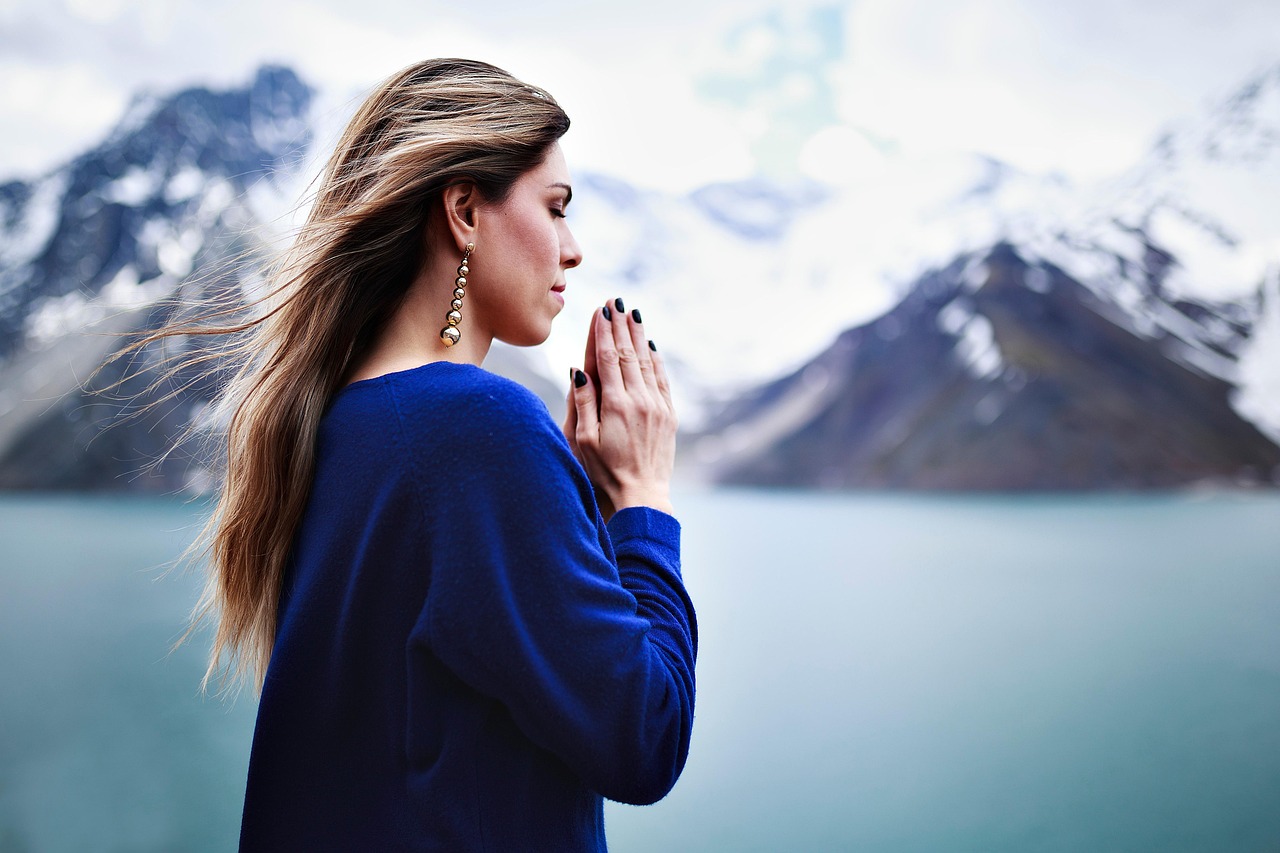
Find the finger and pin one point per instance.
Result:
(571, 415)
(643, 353)
(628, 358)
(660, 374)
(589, 360)
(608, 370)
(586, 416)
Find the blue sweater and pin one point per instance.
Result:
(467, 657)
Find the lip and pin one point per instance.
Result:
(559, 288)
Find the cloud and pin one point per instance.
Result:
(1080, 88)
(676, 94)
(775, 71)
(53, 106)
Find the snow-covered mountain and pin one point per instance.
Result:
(750, 297)
(744, 286)
(1186, 245)
(183, 199)
(90, 251)
(993, 373)
(1178, 259)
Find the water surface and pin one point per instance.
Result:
(876, 672)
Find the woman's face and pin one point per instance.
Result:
(523, 247)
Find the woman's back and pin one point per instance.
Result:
(459, 664)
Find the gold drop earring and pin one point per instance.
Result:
(450, 334)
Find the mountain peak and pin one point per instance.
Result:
(130, 215)
(1265, 82)
(1242, 127)
(234, 133)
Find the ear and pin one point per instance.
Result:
(461, 202)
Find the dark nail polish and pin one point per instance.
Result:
(635, 315)
(579, 378)
(608, 315)
(653, 346)
(617, 303)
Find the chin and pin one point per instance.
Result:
(527, 337)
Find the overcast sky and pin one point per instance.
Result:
(676, 93)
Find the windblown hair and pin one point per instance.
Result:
(432, 125)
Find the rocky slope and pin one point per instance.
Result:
(180, 200)
(992, 374)
(1125, 337)
(91, 251)
(956, 324)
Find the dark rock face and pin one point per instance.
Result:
(110, 194)
(992, 373)
(90, 256)
(1062, 397)
(114, 433)
(99, 244)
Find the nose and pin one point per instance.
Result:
(570, 252)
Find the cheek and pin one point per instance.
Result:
(543, 246)
(525, 246)
(534, 238)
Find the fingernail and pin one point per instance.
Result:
(653, 346)
(579, 378)
(617, 303)
(635, 315)
(573, 373)
(608, 315)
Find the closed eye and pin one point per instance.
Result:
(559, 212)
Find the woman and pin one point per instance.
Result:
(468, 623)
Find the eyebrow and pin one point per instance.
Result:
(569, 190)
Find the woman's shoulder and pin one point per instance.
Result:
(477, 390)
(490, 433)
(467, 401)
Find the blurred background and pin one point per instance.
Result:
(973, 314)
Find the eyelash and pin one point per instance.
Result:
(558, 213)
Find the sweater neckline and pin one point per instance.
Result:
(401, 374)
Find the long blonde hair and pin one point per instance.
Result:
(431, 125)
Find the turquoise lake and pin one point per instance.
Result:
(877, 672)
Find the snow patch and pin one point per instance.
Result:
(1192, 337)
(153, 232)
(978, 349)
(39, 220)
(954, 316)
(73, 313)
(56, 316)
(217, 198)
(176, 257)
(1257, 396)
(174, 252)
(139, 111)
(1037, 279)
(135, 187)
(1205, 361)
(975, 273)
(185, 184)
(125, 291)
(976, 345)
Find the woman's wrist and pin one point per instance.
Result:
(659, 499)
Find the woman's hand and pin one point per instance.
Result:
(621, 422)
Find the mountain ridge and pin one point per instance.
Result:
(745, 281)
(993, 387)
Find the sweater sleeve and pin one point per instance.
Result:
(587, 639)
